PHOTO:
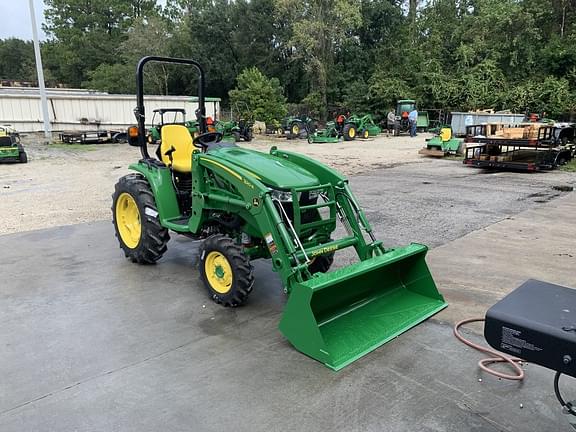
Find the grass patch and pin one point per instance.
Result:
(82, 147)
(570, 166)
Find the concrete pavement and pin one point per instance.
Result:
(92, 342)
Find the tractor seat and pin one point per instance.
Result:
(446, 134)
(176, 148)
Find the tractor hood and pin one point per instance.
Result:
(275, 172)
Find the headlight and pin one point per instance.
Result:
(282, 196)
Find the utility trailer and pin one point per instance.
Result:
(536, 150)
(92, 137)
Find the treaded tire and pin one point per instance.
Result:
(153, 236)
(321, 263)
(295, 129)
(349, 136)
(242, 277)
(236, 136)
(23, 157)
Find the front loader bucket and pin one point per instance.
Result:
(340, 316)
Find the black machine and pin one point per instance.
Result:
(537, 322)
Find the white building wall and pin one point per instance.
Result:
(74, 110)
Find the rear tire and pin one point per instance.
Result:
(321, 263)
(295, 129)
(349, 132)
(23, 157)
(225, 271)
(236, 136)
(135, 219)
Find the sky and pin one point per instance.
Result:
(16, 19)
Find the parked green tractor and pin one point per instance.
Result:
(11, 150)
(442, 144)
(236, 131)
(403, 108)
(282, 206)
(168, 116)
(297, 127)
(360, 126)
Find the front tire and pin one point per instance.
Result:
(23, 157)
(225, 271)
(135, 219)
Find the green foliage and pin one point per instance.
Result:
(262, 95)
(17, 60)
(362, 55)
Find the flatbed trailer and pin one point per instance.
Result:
(92, 137)
(518, 154)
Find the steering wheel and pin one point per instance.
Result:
(204, 140)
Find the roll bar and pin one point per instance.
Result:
(140, 111)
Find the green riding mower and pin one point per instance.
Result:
(281, 206)
(442, 144)
(169, 116)
(11, 150)
(360, 126)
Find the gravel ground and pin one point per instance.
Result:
(68, 184)
(406, 197)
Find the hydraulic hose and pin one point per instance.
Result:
(566, 405)
(496, 357)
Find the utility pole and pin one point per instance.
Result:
(40, 73)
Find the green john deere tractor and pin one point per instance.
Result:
(243, 205)
(11, 150)
(298, 126)
(167, 116)
(403, 108)
(360, 126)
(234, 131)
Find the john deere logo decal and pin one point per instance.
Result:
(255, 202)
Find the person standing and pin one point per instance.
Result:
(391, 121)
(413, 121)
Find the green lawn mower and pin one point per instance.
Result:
(281, 206)
(11, 150)
(442, 144)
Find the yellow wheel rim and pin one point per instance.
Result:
(295, 130)
(351, 132)
(218, 272)
(366, 134)
(128, 220)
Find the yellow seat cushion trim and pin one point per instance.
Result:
(179, 138)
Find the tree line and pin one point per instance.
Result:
(359, 55)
